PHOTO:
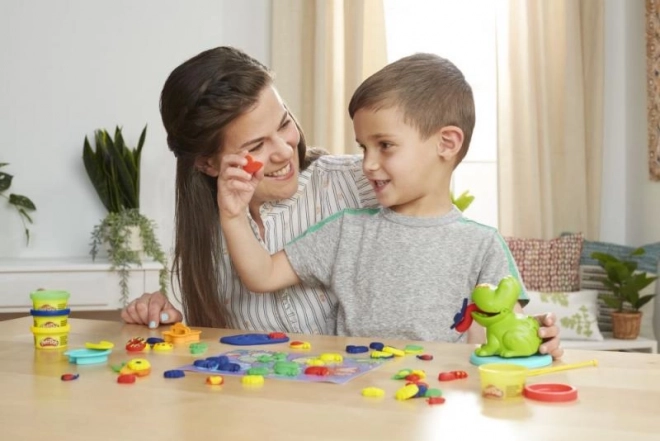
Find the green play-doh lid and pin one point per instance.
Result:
(49, 295)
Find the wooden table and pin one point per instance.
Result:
(619, 399)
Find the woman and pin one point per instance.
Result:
(223, 97)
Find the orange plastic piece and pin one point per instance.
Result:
(180, 333)
(215, 380)
(252, 166)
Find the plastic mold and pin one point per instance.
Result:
(88, 356)
(180, 333)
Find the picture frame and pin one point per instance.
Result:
(653, 87)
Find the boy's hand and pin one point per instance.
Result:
(236, 184)
(549, 332)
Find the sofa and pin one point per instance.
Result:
(561, 277)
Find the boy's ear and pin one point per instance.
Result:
(207, 166)
(450, 141)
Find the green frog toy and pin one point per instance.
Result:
(508, 334)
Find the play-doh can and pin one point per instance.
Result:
(50, 319)
(51, 338)
(502, 381)
(49, 300)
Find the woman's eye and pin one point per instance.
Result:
(256, 147)
(285, 123)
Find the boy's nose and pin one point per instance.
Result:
(370, 162)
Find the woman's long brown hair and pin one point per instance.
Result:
(199, 99)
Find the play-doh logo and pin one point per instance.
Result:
(50, 325)
(47, 308)
(49, 342)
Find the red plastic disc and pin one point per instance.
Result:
(550, 392)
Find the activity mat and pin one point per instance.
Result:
(329, 367)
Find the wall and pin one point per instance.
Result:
(631, 201)
(69, 67)
(72, 66)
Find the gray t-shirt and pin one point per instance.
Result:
(399, 276)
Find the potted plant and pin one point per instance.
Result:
(626, 283)
(127, 234)
(21, 203)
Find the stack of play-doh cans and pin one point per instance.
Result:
(51, 318)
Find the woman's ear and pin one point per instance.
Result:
(450, 141)
(207, 166)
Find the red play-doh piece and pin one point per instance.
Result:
(321, 371)
(464, 325)
(412, 377)
(425, 357)
(417, 383)
(277, 335)
(435, 400)
(252, 166)
(69, 377)
(136, 344)
(126, 379)
(452, 375)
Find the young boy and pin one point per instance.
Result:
(402, 271)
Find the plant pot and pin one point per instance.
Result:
(133, 241)
(625, 325)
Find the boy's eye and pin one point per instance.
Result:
(385, 145)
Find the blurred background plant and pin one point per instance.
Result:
(21, 203)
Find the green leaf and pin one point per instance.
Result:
(95, 172)
(638, 252)
(21, 201)
(616, 272)
(27, 236)
(2, 164)
(124, 178)
(5, 181)
(25, 215)
(612, 301)
(643, 301)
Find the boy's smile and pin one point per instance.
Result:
(406, 172)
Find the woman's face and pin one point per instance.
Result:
(269, 134)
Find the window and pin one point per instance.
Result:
(463, 32)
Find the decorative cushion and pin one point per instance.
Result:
(548, 265)
(576, 312)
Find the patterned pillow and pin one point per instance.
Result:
(576, 312)
(548, 265)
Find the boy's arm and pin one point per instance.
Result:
(258, 270)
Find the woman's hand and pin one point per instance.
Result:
(151, 309)
(549, 332)
(236, 186)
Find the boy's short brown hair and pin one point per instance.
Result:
(430, 90)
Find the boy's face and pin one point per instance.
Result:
(406, 171)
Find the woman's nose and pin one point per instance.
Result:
(282, 149)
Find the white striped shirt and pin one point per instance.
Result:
(327, 186)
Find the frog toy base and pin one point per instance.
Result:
(531, 362)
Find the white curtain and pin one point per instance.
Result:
(321, 51)
(550, 116)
